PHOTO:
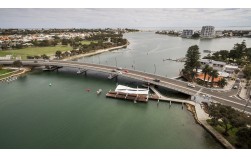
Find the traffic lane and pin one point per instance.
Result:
(232, 104)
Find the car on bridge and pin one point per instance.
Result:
(156, 80)
(191, 85)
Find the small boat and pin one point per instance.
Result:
(78, 72)
(88, 90)
(50, 84)
(99, 91)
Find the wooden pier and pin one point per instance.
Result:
(134, 97)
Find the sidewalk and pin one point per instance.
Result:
(229, 85)
(244, 94)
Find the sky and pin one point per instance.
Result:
(122, 18)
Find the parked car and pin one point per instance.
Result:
(119, 68)
(191, 85)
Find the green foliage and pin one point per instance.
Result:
(1, 67)
(247, 71)
(239, 54)
(244, 137)
(214, 74)
(192, 61)
(195, 35)
(230, 117)
(222, 83)
(17, 63)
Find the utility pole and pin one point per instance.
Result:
(116, 61)
(154, 68)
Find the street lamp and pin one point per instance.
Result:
(154, 68)
(116, 61)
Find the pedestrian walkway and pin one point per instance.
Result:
(244, 94)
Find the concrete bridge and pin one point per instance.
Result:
(176, 85)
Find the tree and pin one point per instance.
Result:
(224, 54)
(209, 74)
(196, 35)
(222, 82)
(244, 137)
(1, 67)
(247, 72)
(17, 63)
(192, 59)
(58, 54)
(229, 116)
(44, 56)
(214, 75)
(205, 70)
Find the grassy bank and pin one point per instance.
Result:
(87, 42)
(4, 71)
(32, 51)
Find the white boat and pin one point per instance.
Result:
(78, 72)
(99, 91)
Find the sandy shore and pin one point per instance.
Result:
(95, 52)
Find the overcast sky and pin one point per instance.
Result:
(103, 18)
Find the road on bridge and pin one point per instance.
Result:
(177, 85)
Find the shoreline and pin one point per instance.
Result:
(95, 52)
(16, 73)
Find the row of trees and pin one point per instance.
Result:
(207, 70)
(44, 56)
(192, 64)
(228, 118)
(239, 54)
(116, 40)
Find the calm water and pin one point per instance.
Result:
(148, 49)
(65, 115)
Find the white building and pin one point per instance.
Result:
(219, 34)
(207, 32)
(7, 57)
(217, 65)
(187, 33)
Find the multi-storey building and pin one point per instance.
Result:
(186, 33)
(207, 32)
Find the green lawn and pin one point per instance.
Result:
(4, 71)
(32, 51)
(87, 42)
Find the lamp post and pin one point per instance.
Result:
(116, 61)
(154, 68)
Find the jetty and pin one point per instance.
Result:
(183, 59)
(128, 93)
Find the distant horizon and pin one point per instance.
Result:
(144, 28)
(124, 18)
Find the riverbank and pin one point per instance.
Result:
(15, 73)
(95, 52)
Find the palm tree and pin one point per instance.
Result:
(222, 82)
(209, 73)
(214, 75)
(205, 70)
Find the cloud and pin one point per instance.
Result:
(122, 17)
